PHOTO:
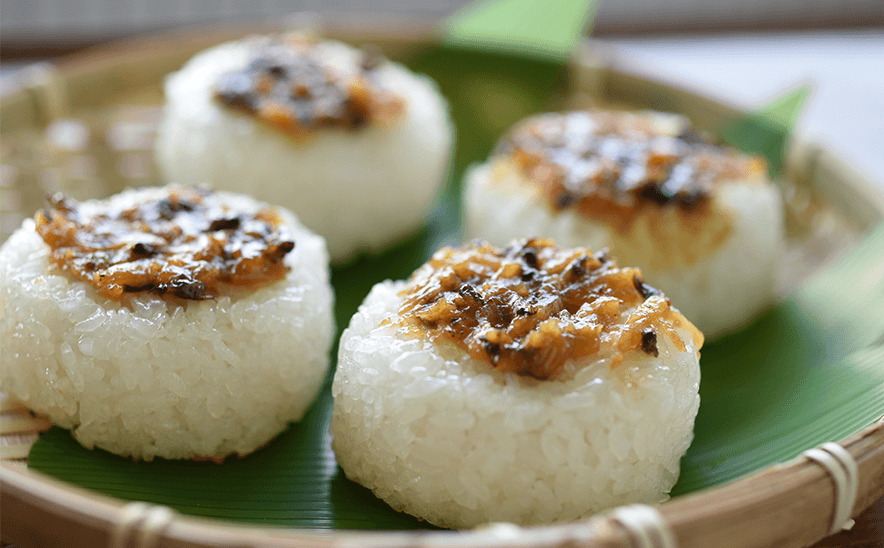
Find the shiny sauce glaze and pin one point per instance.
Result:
(183, 245)
(611, 166)
(291, 86)
(532, 307)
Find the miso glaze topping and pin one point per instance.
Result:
(610, 165)
(531, 307)
(181, 245)
(289, 85)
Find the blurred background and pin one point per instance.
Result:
(744, 52)
(32, 27)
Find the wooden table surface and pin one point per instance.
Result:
(868, 532)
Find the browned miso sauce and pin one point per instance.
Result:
(289, 85)
(530, 307)
(179, 245)
(611, 166)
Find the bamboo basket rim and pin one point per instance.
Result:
(31, 500)
(28, 497)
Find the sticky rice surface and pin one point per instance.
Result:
(154, 378)
(444, 437)
(718, 291)
(359, 189)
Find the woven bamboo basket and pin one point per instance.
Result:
(117, 88)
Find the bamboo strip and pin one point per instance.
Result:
(18, 424)
(8, 404)
(15, 452)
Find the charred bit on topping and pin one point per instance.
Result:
(649, 342)
(169, 207)
(643, 288)
(530, 258)
(577, 268)
(492, 348)
(565, 199)
(224, 224)
(603, 256)
(143, 250)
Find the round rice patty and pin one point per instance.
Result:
(719, 293)
(359, 189)
(198, 379)
(444, 437)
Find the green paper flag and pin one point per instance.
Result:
(766, 131)
(547, 29)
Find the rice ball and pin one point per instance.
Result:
(355, 145)
(704, 223)
(531, 384)
(166, 322)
